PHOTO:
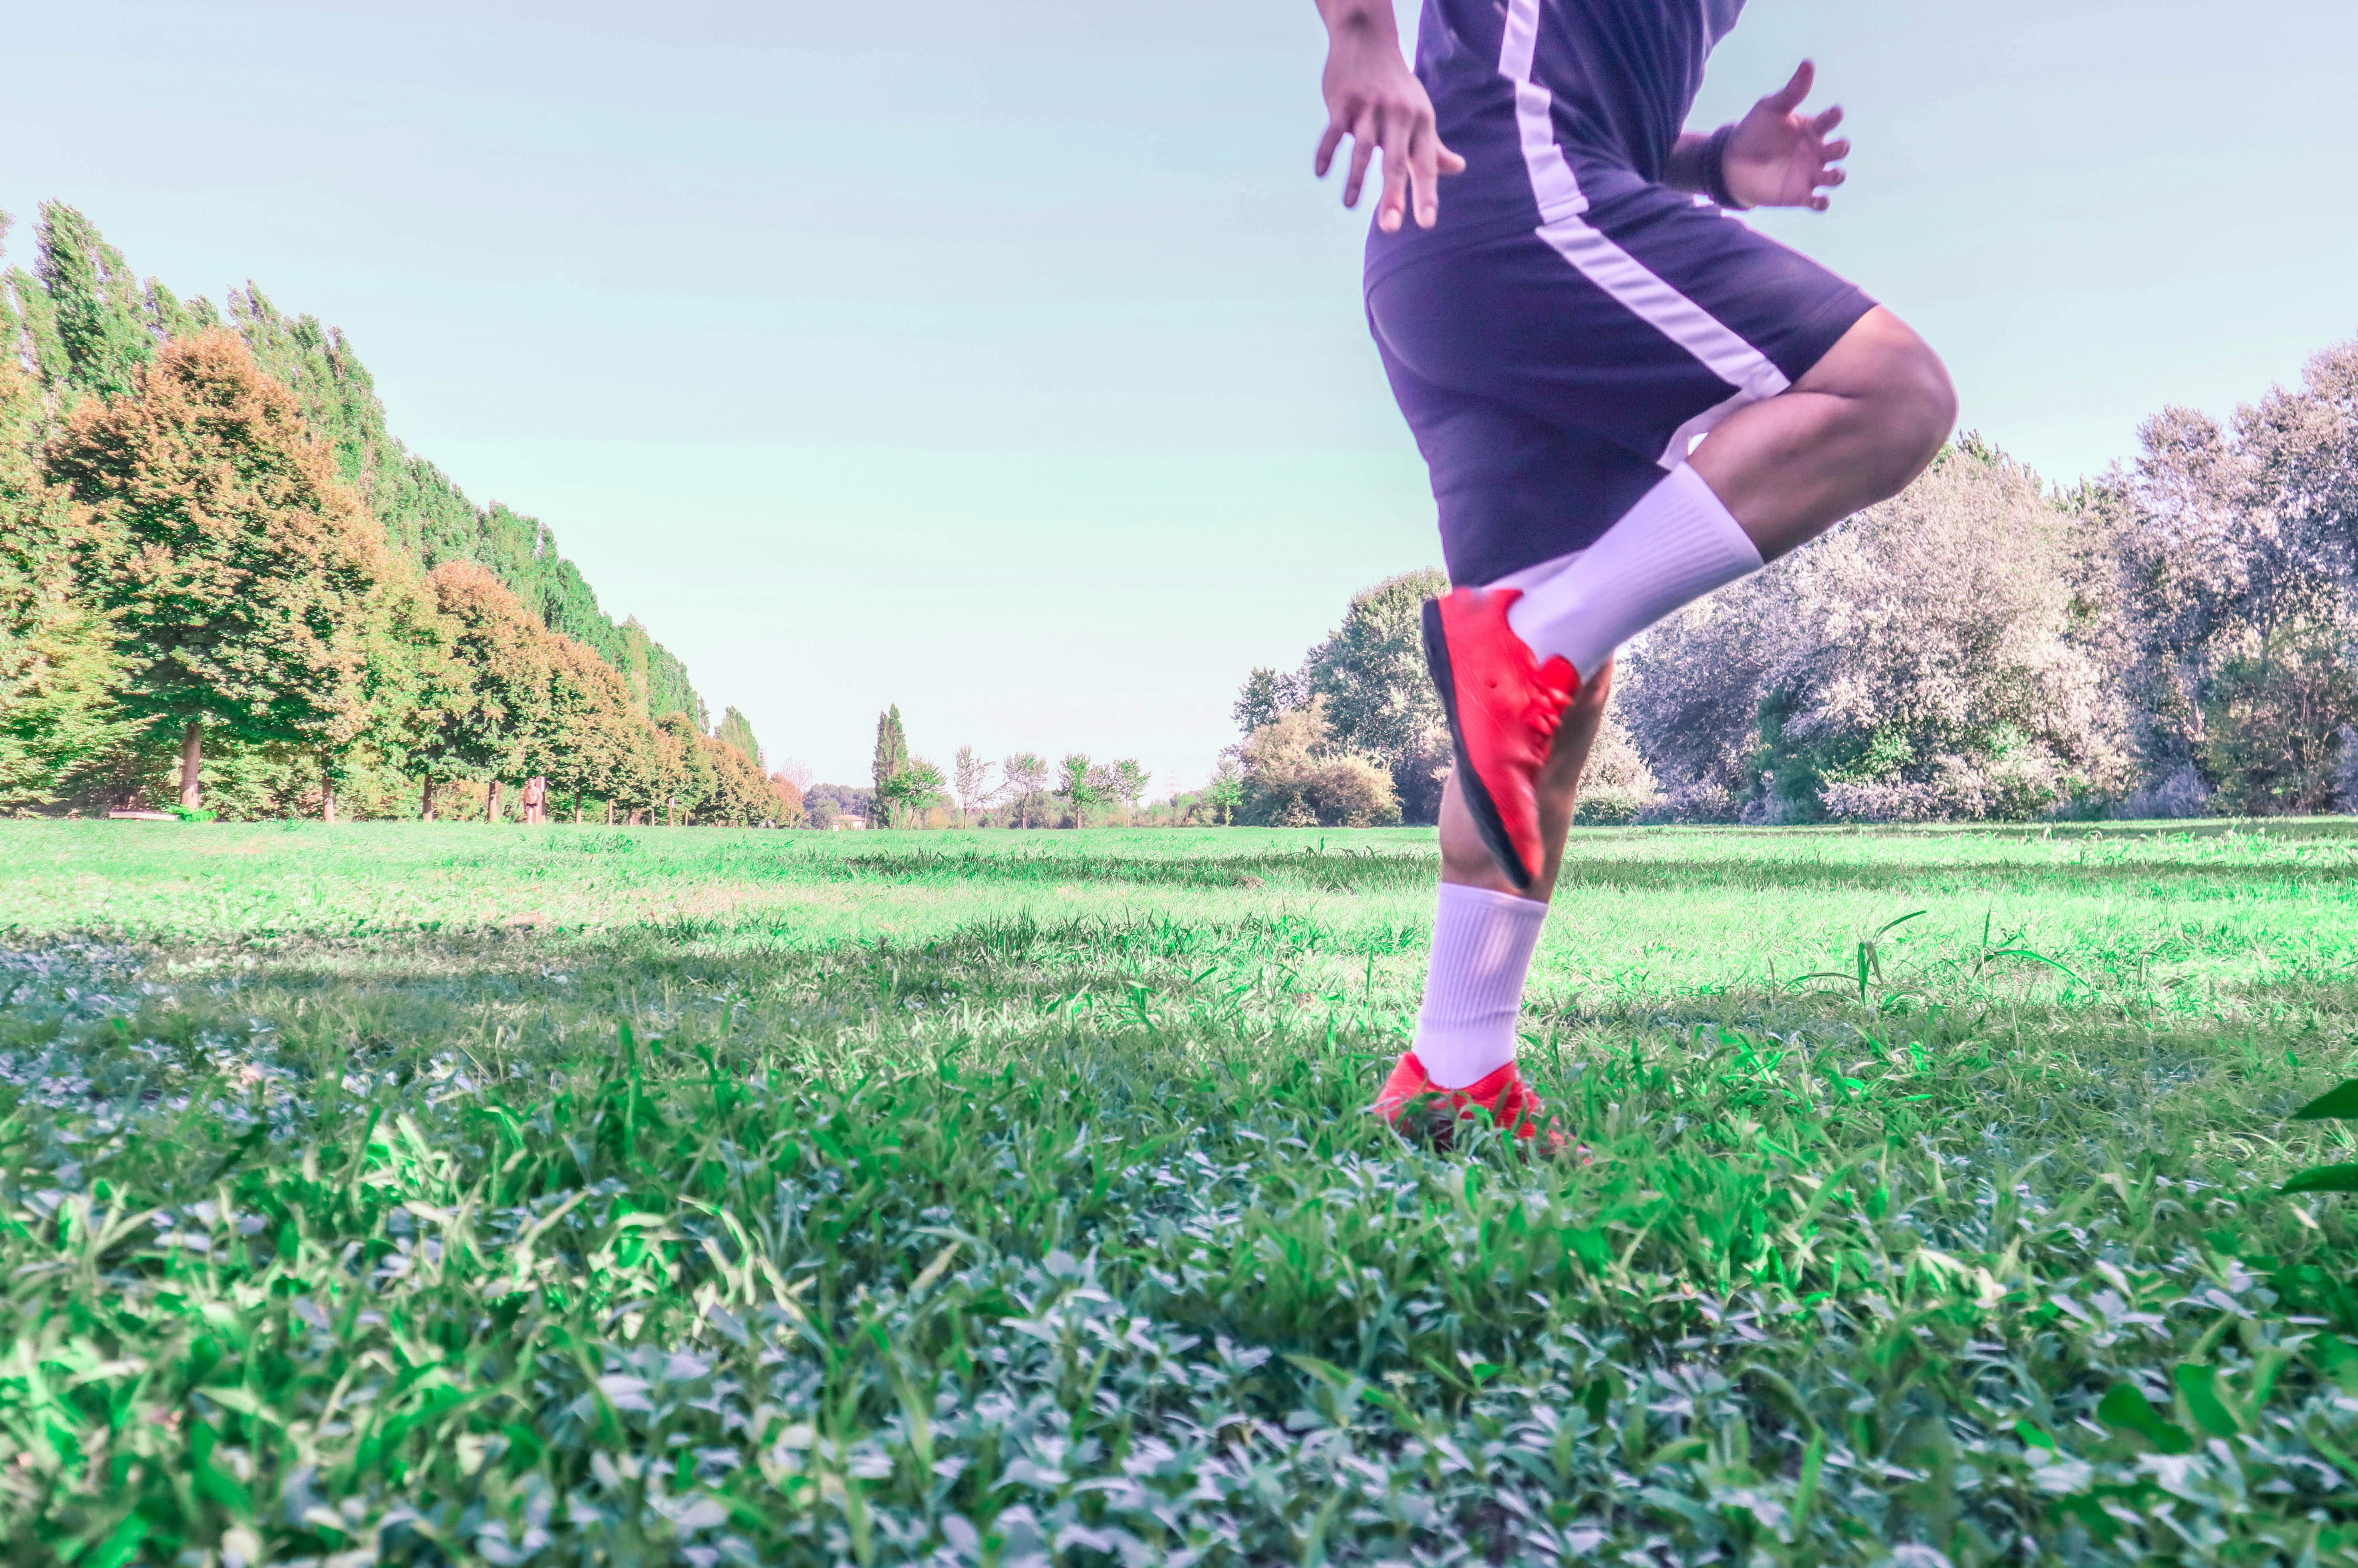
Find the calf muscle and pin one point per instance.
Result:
(1464, 858)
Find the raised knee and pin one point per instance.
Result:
(1933, 400)
(1901, 405)
(1911, 407)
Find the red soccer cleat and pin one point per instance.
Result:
(1503, 1094)
(1503, 707)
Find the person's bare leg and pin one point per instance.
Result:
(1861, 422)
(1465, 860)
(1857, 427)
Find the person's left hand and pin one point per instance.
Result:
(1780, 156)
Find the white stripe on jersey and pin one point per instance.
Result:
(1607, 265)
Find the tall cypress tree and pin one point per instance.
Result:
(99, 304)
(57, 666)
(37, 321)
(891, 757)
(738, 730)
(165, 314)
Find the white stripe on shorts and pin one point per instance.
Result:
(1629, 280)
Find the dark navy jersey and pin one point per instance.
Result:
(1608, 82)
(1571, 326)
(1619, 74)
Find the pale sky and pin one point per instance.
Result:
(1005, 363)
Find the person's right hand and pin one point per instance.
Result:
(1373, 98)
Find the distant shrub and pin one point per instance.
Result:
(1923, 660)
(1607, 807)
(2273, 728)
(1295, 777)
(2183, 793)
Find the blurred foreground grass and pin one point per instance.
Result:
(493, 1195)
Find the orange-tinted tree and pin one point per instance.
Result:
(414, 678)
(495, 713)
(788, 795)
(596, 743)
(240, 577)
(685, 775)
(741, 795)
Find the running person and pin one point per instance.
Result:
(1627, 399)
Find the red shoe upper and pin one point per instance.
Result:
(1507, 705)
(1503, 1094)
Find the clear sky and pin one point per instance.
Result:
(1003, 362)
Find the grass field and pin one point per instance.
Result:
(475, 1194)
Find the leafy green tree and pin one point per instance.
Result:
(32, 321)
(165, 314)
(1226, 791)
(58, 719)
(1024, 776)
(58, 671)
(1127, 782)
(740, 795)
(488, 713)
(688, 775)
(238, 575)
(601, 743)
(969, 775)
(916, 789)
(1261, 701)
(1928, 658)
(1082, 785)
(410, 673)
(1380, 700)
(2276, 722)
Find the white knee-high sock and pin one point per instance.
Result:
(1675, 545)
(1482, 943)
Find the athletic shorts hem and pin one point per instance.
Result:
(1815, 337)
(1553, 376)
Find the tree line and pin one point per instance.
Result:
(2178, 635)
(223, 585)
(1023, 790)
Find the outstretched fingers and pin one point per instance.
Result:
(1788, 98)
(1399, 127)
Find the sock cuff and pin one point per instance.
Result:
(1713, 513)
(1513, 905)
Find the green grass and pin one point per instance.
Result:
(459, 1193)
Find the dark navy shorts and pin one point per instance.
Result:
(1552, 375)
